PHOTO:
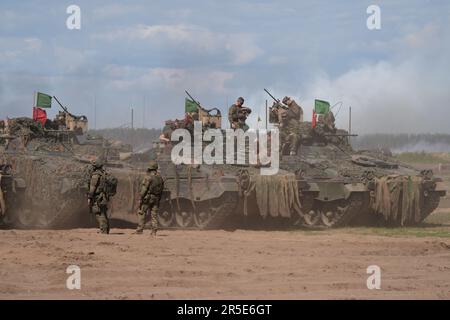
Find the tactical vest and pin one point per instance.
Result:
(157, 186)
(107, 184)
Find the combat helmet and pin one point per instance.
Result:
(153, 165)
(98, 163)
(286, 100)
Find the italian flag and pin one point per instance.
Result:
(42, 100)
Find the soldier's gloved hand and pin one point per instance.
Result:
(89, 201)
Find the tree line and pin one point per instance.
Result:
(138, 138)
(401, 141)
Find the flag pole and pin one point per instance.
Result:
(132, 118)
(266, 116)
(95, 112)
(34, 103)
(143, 115)
(350, 120)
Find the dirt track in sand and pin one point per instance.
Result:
(221, 265)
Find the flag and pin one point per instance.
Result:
(313, 122)
(190, 106)
(321, 107)
(39, 115)
(42, 100)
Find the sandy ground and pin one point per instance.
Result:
(238, 264)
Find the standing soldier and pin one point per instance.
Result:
(288, 115)
(237, 115)
(150, 195)
(296, 112)
(100, 190)
(329, 121)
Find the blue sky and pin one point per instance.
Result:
(129, 52)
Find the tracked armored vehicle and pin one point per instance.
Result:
(340, 186)
(11, 193)
(54, 179)
(325, 184)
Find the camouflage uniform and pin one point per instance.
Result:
(150, 195)
(237, 115)
(167, 130)
(325, 126)
(97, 196)
(329, 120)
(294, 108)
(289, 119)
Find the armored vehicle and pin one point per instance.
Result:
(11, 193)
(324, 184)
(340, 186)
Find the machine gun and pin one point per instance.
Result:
(275, 109)
(278, 103)
(204, 115)
(200, 107)
(73, 123)
(275, 99)
(62, 107)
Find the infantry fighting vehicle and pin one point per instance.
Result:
(340, 186)
(53, 160)
(326, 184)
(53, 178)
(11, 192)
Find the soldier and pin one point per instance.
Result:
(237, 115)
(150, 195)
(98, 195)
(7, 132)
(329, 121)
(288, 115)
(167, 131)
(320, 130)
(295, 110)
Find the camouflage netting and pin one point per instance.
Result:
(53, 189)
(2, 199)
(277, 195)
(399, 198)
(25, 127)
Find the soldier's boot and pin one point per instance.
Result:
(141, 222)
(154, 216)
(103, 223)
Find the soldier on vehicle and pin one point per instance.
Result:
(329, 121)
(150, 194)
(102, 186)
(295, 111)
(288, 115)
(167, 131)
(237, 115)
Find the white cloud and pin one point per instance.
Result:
(240, 47)
(172, 79)
(12, 49)
(115, 10)
(407, 94)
